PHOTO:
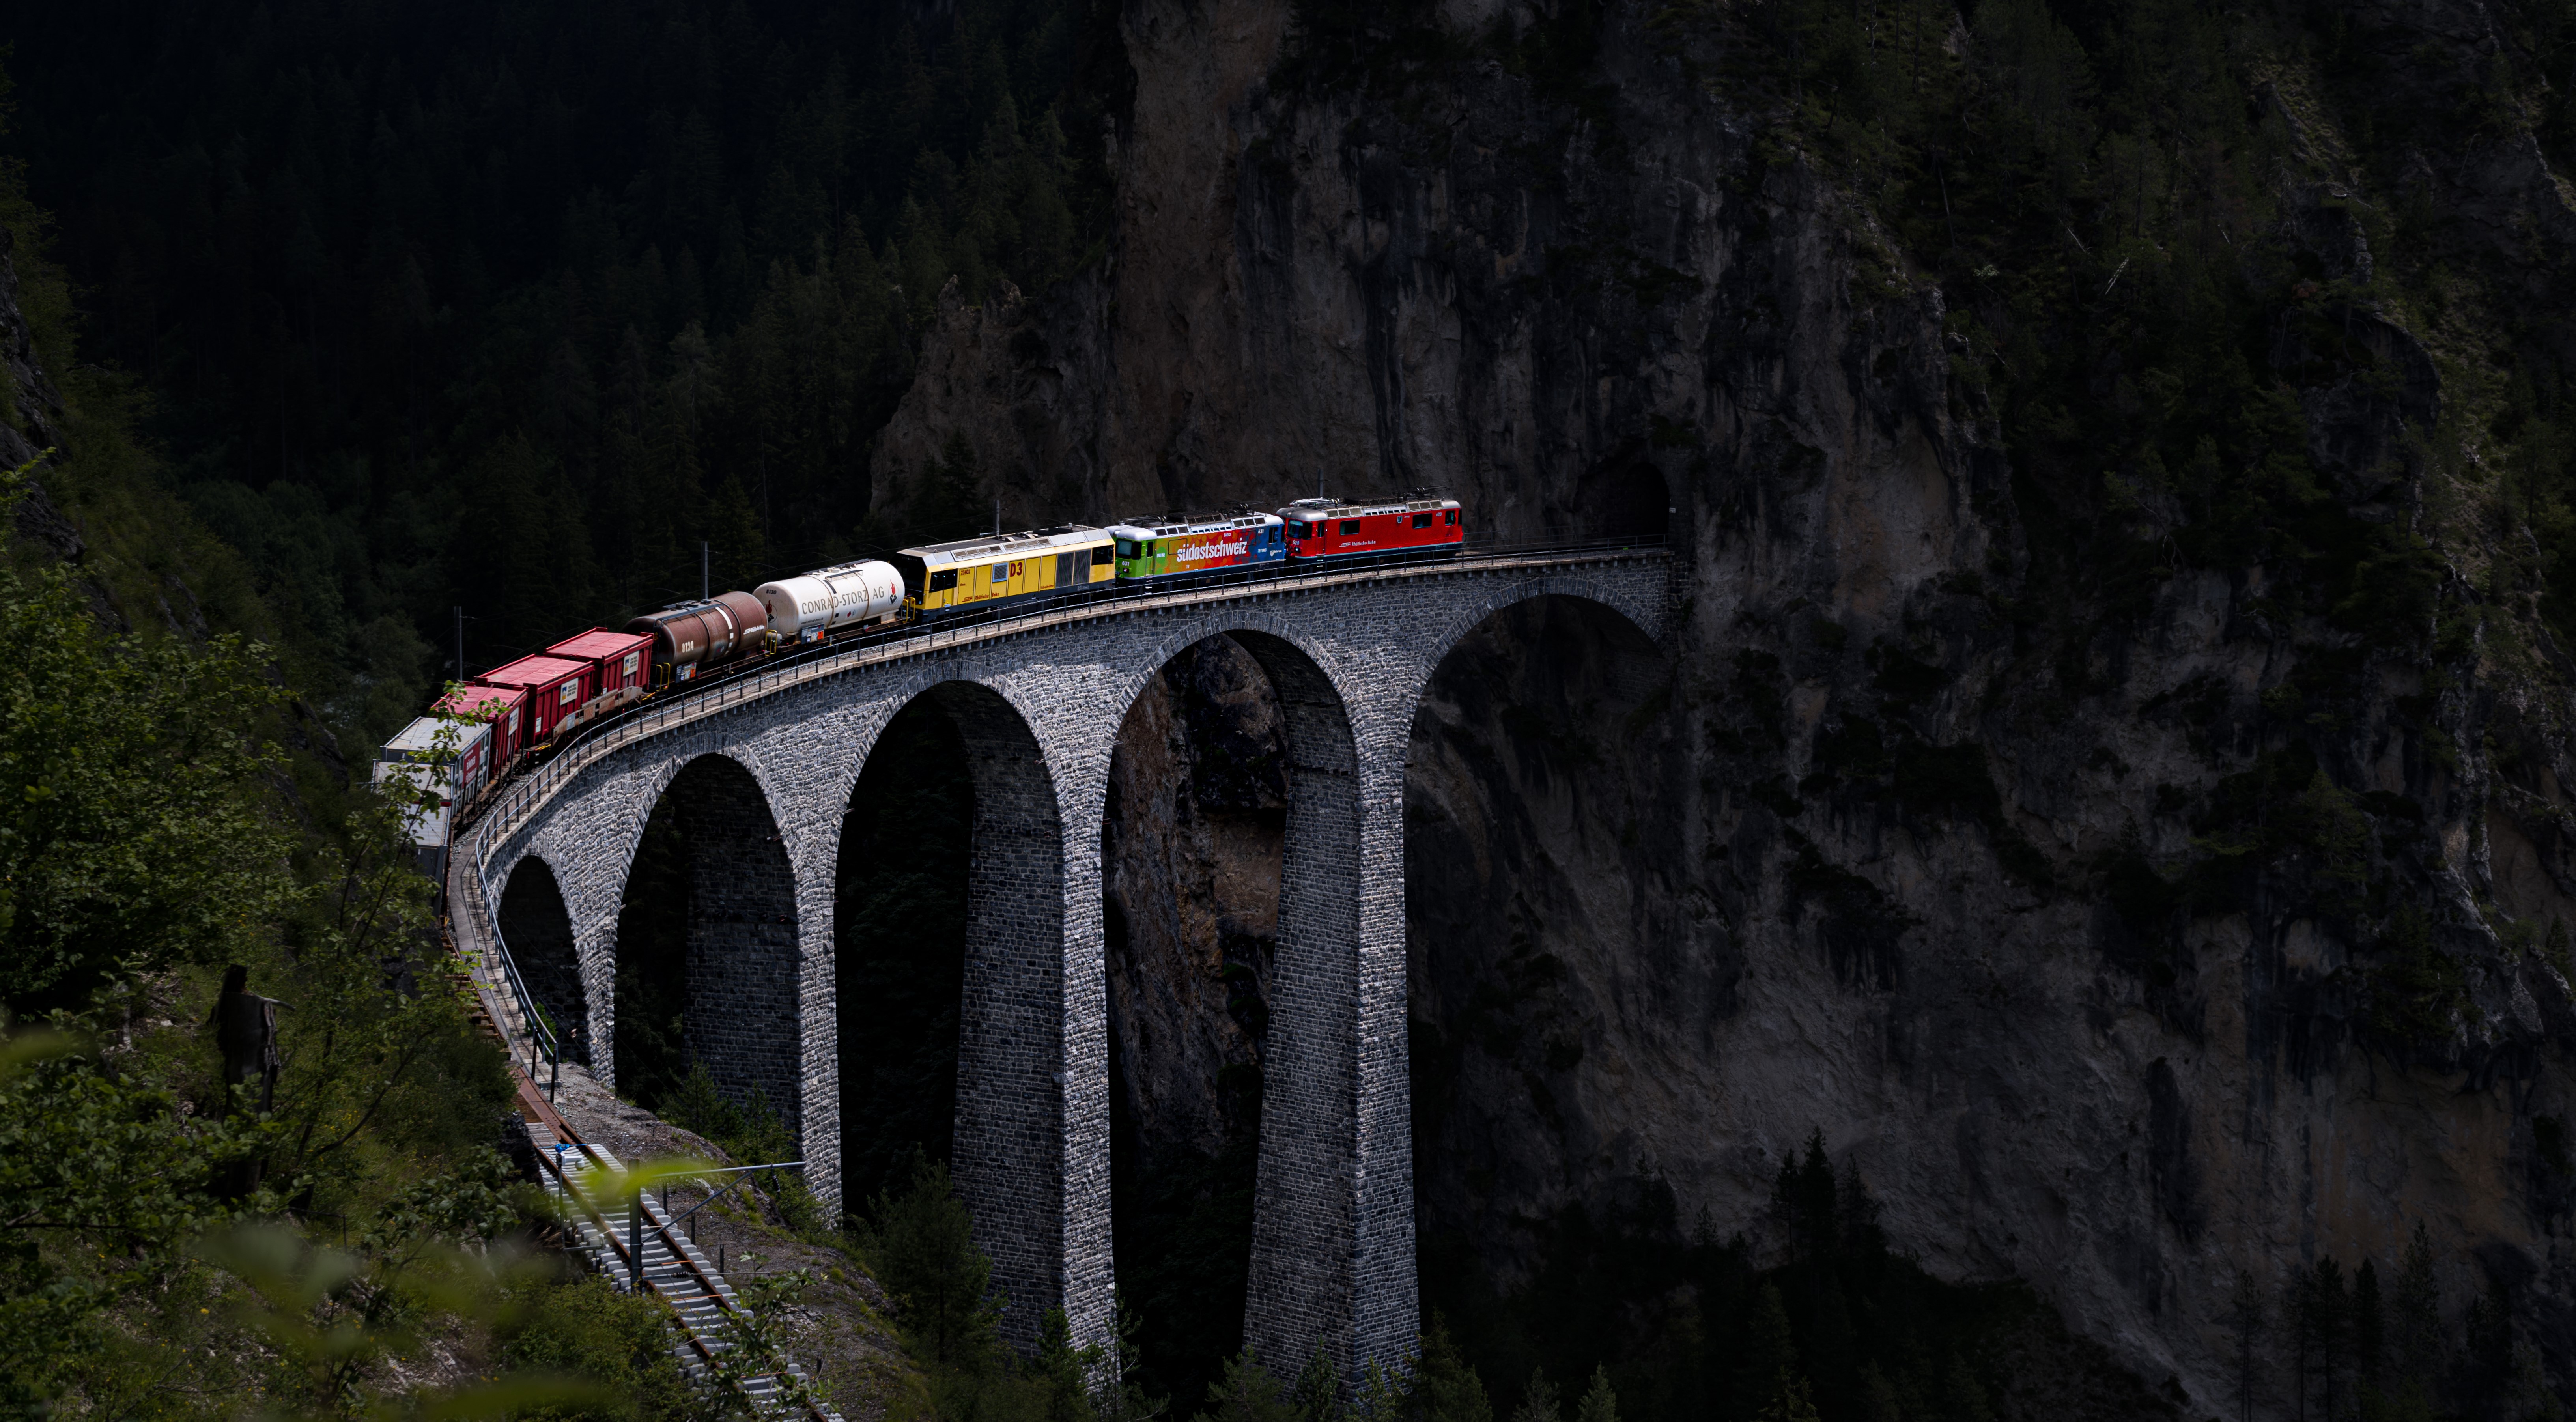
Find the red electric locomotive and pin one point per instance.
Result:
(1330, 528)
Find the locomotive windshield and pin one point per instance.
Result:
(1297, 530)
(1126, 548)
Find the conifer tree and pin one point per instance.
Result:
(921, 1245)
(1599, 1404)
(2244, 1320)
(1538, 1402)
(1317, 1395)
(1445, 1387)
(1246, 1392)
(1770, 1355)
(2418, 1353)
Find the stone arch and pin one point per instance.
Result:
(1541, 838)
(900, 861)
(535, 926)
(1300, 1285)
(740, 971)
(1643, 615)
(635, 788)
(1008, 1132)
(1467, 615)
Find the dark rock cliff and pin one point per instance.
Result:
(1196, 821)
(31, 417)
(2203, 936)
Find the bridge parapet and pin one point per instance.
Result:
(1039, 701)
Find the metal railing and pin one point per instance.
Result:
(547, 767)
(543, 1043)
(630, 1252)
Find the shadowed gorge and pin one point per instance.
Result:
(1191, 843)
(900, 951)
(2066, 909)
(710, 905)
(653, 963)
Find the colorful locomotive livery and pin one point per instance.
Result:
(1168, 548)
(511, 710)
(974, 571)
(1330, 528)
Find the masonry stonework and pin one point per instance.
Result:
(740, 1015)
(1038, 704)
(537, 927)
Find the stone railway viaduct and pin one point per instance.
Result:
(764, 769)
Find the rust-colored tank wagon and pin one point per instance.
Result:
(623, 662)
(690, 637)
(504, 708)
(556, 690)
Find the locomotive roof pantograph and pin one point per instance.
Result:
(1010, 545)
(1168, 528)
(1336, 508)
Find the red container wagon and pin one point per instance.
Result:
(689, 637)
(1330, 528)
(622, 662)
(504, 708)
(556, 689)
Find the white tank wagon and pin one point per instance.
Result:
(811, 606)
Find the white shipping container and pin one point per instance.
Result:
(455, 776)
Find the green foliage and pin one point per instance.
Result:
(1246, 1392)
(750, 1131)
(1538, 1400)
(91, 1162)
(920, 1245)
(132, 836)
(756, 1344)
(128, 1284)
(1185, 1231)
(1600, 1403)
(1681, 1327)
(579, 1326)
(2419, 994)
(1060, 1373)
(1445, 1386)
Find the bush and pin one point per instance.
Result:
(583, 1328)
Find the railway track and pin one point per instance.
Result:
(511, 798)
(611, 1234)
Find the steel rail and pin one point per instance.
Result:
(502, 810)
(533, 786)
(662, 1226)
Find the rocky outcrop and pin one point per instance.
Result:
(31, 417)
(2105, 981)
(1196, 820)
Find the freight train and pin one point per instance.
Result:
(477, 733)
